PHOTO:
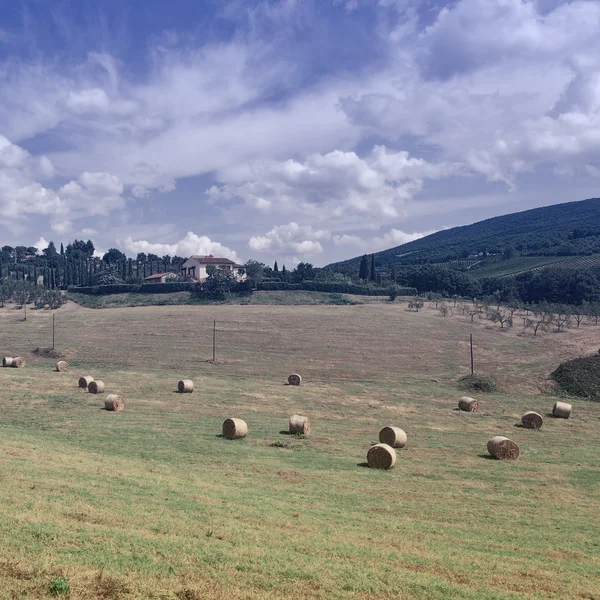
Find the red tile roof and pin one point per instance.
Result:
(211, 260)
(158, 275)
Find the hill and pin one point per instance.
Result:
(552, 232)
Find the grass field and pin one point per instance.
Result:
(152, 503)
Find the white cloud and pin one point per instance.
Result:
(394, 237)
(62, 227)
(290, 239)
(190, 244)
(333, 185)
(41, 244)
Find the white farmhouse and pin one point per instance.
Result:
(194, 268)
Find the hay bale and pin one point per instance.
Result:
(294, 379)
(114, 402)
(502, 448)
(532, 420)
(96, 387)
(468, 404)
(299, 424)
(381, 456)
(234, 429)
(393, 436)
(562, 410)
(185, 386)
(18, 362)
(7, 361)
(85, 381)
(62, 366)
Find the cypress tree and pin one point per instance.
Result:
(373, 272)
(275, 268)
(363, 271)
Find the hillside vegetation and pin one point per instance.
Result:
(568, 229)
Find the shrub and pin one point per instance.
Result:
(477, 383)
(580, 377)
(59, 586)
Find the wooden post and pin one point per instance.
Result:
(52, 331)
(471, 343)
(25, 307)
(214, 340)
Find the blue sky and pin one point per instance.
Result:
(293, 130)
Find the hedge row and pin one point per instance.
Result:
(337, 287)
(244, 287)
(135, 288)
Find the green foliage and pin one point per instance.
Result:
(59, 586)
(335, 287)
(477, 383)
(255, 271)
(218, 283)
(580, 377)
(51, 299)
(108, 277)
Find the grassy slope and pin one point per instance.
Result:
(182, 298)
(151, 503)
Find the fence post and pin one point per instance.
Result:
(214, 340)
(471, 344)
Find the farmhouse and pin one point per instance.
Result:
(194, 268)
(160, 277)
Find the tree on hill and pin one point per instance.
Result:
(373, 272)
(218, 282)
(254, 271)
(114, 257)
(363, 271)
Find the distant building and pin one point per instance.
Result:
(160, 277)
(194, 268)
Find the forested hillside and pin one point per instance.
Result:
(570, 229)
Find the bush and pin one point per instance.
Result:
(580, 377)
(477, 383)
(60, 586)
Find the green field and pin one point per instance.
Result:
(153, 503)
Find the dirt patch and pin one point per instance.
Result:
(53, 353)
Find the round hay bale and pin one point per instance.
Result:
(185, 386)
(468, 404)
(381, 456)
(234, 429)
(7, 361)
(62, 366)
(18, 362)
(532, 420)
(295, 379)
(502, 448)
(85, 381)
(393, 436)
(114, 402)
(562, 410)
(96, 387)
(299, 424)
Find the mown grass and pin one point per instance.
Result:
(152, 503)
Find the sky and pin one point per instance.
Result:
(290, 130)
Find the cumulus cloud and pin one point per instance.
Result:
(290, 239)
(333, 185)
(22, 194)
(394, 237)
(41, 244)
(190, 244)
